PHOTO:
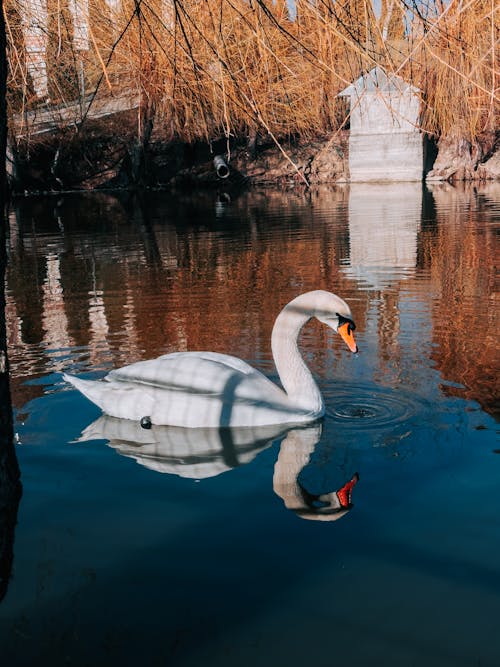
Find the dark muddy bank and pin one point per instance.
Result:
(105, 154)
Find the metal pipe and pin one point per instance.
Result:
(221, 166)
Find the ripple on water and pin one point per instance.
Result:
(363, 407)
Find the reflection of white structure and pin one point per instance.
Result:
(99, 328)
(14, 327)
(385, 143)
(54, 319)
(383, 225)
(129, 326)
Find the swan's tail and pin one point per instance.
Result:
(91, 389)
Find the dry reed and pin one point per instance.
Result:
(228, 68)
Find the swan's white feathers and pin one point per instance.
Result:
(190, 388)
(200, 372)
(211, 390)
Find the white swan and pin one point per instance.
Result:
(207, 389)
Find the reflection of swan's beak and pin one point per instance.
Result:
(327, 506)
(345, 330)
(294, 455)
(345, 493)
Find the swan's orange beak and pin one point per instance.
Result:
(345, 330)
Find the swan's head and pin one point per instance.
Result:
(328, 506)
(336, 314)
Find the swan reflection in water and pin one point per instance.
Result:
(207, 452)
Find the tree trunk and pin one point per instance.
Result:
(460, 159)
(10, 486)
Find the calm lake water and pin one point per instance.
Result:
(169, 547)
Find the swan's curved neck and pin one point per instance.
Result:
(295, 376)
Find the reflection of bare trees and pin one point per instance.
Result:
(131, 282)
(462, 257)
(119, 280)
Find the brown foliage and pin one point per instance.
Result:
(227, 67)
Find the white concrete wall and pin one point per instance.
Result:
(396, 156)
(384, 112)
(35, 22)
(35, 27)
(385, 143)
(80, 13)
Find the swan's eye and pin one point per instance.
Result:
(344, 320)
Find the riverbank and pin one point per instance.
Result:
(105, 154)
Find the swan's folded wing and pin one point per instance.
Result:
(190, 372)
(199, 389)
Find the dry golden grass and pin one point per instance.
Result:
(232, 67)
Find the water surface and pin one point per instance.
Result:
(164, 547)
